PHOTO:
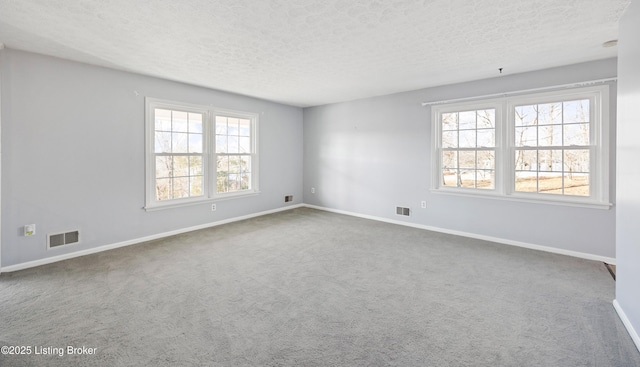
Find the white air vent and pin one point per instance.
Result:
(403, 211)
(61, 239)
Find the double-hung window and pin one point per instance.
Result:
(198, 153)
(468, 147)
(550, 147)
(234, 153)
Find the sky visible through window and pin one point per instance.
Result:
(179, 154)
(552, 152)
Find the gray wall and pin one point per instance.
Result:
(628, 209)
(73, 155)
(368, 156)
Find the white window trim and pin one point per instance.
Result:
(505, 148)
(437, 143)
(209, 154)
(253, 117)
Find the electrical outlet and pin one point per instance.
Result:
(313, 190)
(29, 229)
(213, 207)
(423, 204)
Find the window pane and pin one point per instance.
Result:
(449, 139)
(245, 127)
(576, 111)
(195, 166)
(463, 164)
(232, 144)
(236, 179)
(550, 135)
(245, 144)
(550, 160)
(234, 164)
(163, 119)
(222, 165)
(195, 143)
(180, 166)
(486, 160)
(177, 134)
(526, 182)
(222, 184)
(180, 187)
(163, 167)
(486, 119)
(552, 148)
(236, 138)
(560, 171)
(467, 120)
(162, 142)
(550, 183)
(468, 178)
(179, 120)
(163, 189)
(467, 139)
(245, 164)
(576, 184)
(450, 178)
(232, 126)
(245, 181)
(449, 160)
(576, 134)
(526, 136)
(487, 138)
(550, 113)
(449, 121)
(195, 123)
(221, 125)
(234, 182)
(195, 188)
(526, 160)
(576, 160)
(526, 116)
(179, 142)
(485, 179)
(467, 160)
(221, 144)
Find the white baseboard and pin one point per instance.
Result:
(49, 260)
(582, 255)
(627, 324)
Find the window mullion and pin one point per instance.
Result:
(568, 168)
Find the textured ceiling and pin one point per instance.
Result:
(312, 52)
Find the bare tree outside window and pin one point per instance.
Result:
(178, 154)
(552, 153)
(233, 151)
(468, 149)
(551, 146)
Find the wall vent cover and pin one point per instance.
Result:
(61, 239)
(403, 211)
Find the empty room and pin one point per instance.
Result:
(319, 183)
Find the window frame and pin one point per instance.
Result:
(437, 162)
(253, 118)
(209, 156)
(599, 135)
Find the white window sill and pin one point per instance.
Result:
(581, 203)
(180, 204)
